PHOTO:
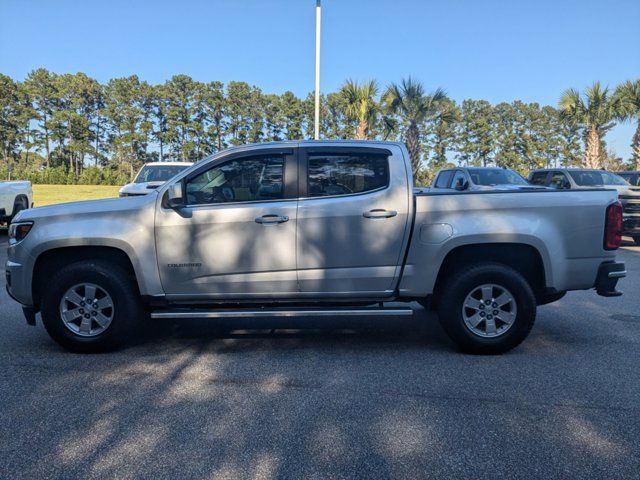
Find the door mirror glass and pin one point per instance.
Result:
(174, 195)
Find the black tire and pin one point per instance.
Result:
(117, 282)
(548, 298)
(636, 238)
(461, 283)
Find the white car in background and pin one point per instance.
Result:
(14, 197)
(151, 176)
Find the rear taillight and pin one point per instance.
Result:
(613, 227)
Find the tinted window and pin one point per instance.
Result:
(158, 173)
(495, 176)
(338, 174)
(443, 179)
(632, 178)
(591, 178)
(458, 177)
(559, 181)
(242, 180)
(538, 178)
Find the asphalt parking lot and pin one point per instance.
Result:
(394, 402)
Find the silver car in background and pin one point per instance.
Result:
(151, 176)
(582, 178)
(477, 179)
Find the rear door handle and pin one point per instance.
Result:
(379, 213)
(272, 219)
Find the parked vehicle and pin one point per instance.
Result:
(151, 176)
(15, 196)
(479, 178)
(632, 177)
(306, 230)
(579, 178)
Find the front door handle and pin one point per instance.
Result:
(379, 213)
(272, 219)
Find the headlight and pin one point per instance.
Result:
(19, 230)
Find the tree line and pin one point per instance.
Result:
(70, 128)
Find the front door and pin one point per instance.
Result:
(235, 238)
(352, 221)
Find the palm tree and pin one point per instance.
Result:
(594, 112)
(628, 97)
(409, 102)
(359, 104)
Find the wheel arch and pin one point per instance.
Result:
(522, 257)
(51, 260)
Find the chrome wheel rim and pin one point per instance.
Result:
(489, 310)
(87, 309)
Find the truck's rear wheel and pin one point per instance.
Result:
(488, 308)
(91, 306)
(636, 238)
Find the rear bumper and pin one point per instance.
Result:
(608, 275)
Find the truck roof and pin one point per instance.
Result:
(165, 164)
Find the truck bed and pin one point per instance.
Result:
(565, 227)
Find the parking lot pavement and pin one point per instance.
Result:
(393, 402)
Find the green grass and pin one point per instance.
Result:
(50, 194)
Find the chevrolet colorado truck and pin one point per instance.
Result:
(310, 229)
(14, 196)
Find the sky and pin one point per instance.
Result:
(482, 49)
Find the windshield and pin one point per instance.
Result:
(591, 178)
(495, 176)
(632, 178)
(158, 173)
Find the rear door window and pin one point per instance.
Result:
(332, 174)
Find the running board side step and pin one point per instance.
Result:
(283, 313)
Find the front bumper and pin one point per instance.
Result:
(18, 283)
(631, 224)
(608, 275)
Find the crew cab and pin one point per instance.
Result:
(312, 229)
(582, 178)
(14, 197)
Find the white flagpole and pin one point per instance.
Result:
(317, 109)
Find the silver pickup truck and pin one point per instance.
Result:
(310, 230)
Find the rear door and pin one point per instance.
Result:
(352, 220)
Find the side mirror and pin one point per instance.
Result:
(174, 196)
(461, 185)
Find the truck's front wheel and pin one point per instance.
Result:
(91, 306)
(487, 308)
